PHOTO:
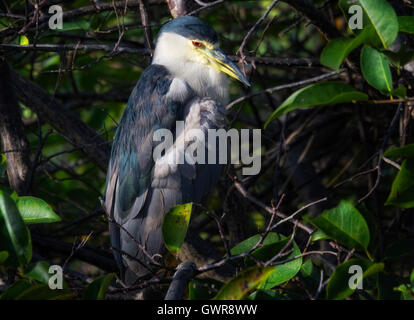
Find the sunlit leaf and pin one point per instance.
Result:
(319, 94)
(376, 69)
(24, 41)
(244, 283)
(380, 15)
(335, 52)
(35, 210)
(281, 272)
(175, 225)
(345, 224)
(249, 243)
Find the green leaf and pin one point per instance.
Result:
(345, 224)
(3, 256)
(43, 292)
(319, 235)
(35, 210)
(406, 24)
(376, 69)
(97, 289)
(15, 290)
(402, 189)
(380, 15)
(399, 92)
(14, 235)
(203, 289)
(282, 272)
(244, 283)
(407, 291)
(406, 151)
(249, 243)
(337, 50)
(24, 41)
(38, 271)
(175, 225)
(338, 286)
(319, 94)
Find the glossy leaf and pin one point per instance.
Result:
(376, 69)
(281, 272)
(39, 271)
(402, 189)
(319, 94)
(175, 225)
(319, 235)
(336, 51)
(35, 210)
(249, 243)
(14, 233)
(345, 224)
(380, 15)
(97, 289)
(244, 283)
(338, 286)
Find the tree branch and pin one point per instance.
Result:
(13, 136)
(66, 123)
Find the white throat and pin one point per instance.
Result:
(175, 53)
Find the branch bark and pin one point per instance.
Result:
(65, 122)
(13, 137)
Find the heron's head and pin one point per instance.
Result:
(187, 42)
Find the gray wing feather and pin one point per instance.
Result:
(138, 199)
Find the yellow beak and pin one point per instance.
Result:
(224, 64)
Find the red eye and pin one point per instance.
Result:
(196, 44)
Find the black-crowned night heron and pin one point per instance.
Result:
(185, 82)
